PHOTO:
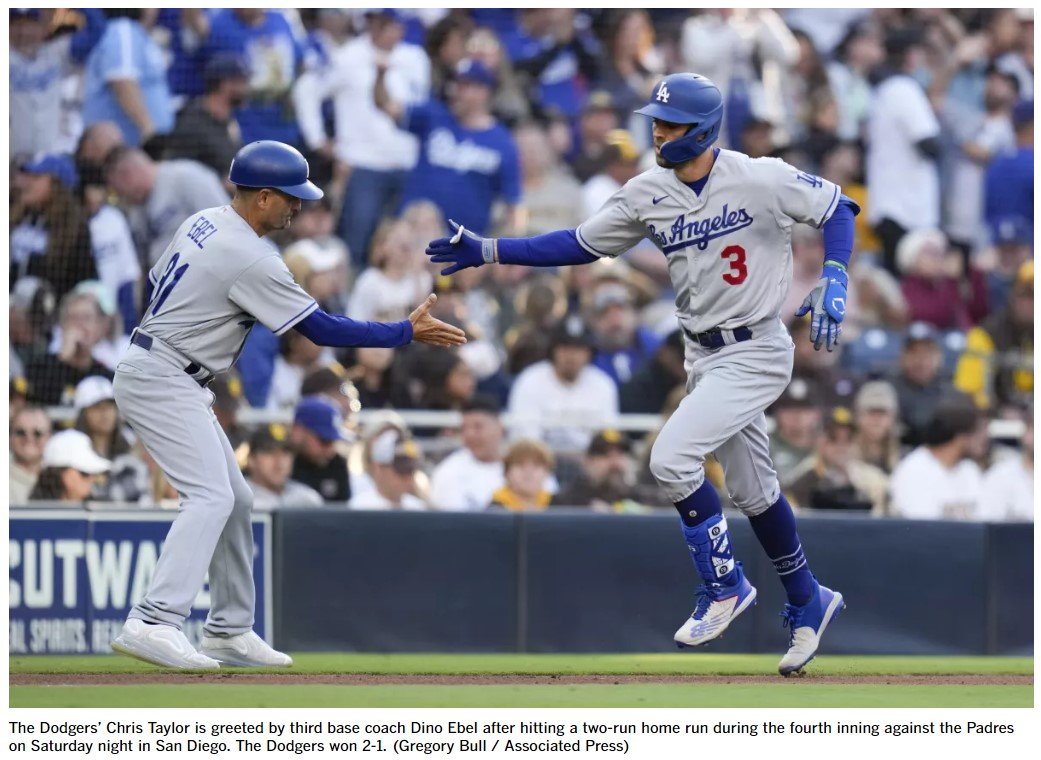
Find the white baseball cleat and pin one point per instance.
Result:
(161, 645)
(807, 625)
(246, 650)
(717, 606)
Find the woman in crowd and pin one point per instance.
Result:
(70, 469)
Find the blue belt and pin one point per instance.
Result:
(141, 340)
(715, 339)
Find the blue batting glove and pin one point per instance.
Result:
(826, 305)
(464, 249)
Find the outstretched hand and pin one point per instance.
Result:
(464, 249)
(428, 329)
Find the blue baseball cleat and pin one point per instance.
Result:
(807, 625)
(716, 607)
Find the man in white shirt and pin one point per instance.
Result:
(1008, 486)
(903, 145)
(393, 461)
(563, 399)
(466, 479)
(939, 480)
(377, 151)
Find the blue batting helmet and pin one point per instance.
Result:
(267, 163)
(687, 99)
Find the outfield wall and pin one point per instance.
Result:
(581, 582)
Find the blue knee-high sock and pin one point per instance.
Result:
(705, 531)
(775, 529)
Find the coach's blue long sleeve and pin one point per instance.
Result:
(326, 329)
(554, 249)
(838, 233)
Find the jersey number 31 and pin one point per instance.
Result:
(166, 284)
(735, 254)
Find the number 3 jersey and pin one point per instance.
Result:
(214, 281)
(729, 248)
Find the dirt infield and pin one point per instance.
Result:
(370, 679)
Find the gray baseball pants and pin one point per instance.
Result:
(172, 415)
(728, 391)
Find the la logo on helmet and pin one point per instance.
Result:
(663, 93)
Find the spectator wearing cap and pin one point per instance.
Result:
(393, 460)
(316, 430)
(318, 259)
(936, 287)
(70, 468)
(620, 164)
(379, 152)
(598, 119)
(39, 67)
(903, 147)
(467, 160)
(270, 463)
(623, 346)
(832, 477)
(798, 418)
(560, 399)
(1008, 192)
(273, 53)
(1008, 486)
(53, 377)
(997, 366)
(527, 469)
(466, 479)
(397, 280)
(50, 237)
(550, 192)
(205, 129)
(876, 418)
(939, 480)
(607, 481)
(651, 385)
(125, 79)
(30, 431)
(333, 383)
(159, 195)
(919, 383)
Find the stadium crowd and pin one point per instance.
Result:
(517, 122)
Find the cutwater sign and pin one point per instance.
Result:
(74, 575)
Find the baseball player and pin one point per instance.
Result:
(216, 279)
(723, 221)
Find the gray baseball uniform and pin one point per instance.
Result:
(730, 261)
(216, 278)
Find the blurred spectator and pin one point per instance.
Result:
(874, 299)
(332, 383)
(620, 164)
(95, 144)
(31, 313)
(297, 357)
(160, 195)
(623, 346)
(446, 45)
(113, 342)
(270, 463)
(467, 160)
(631, 66)
(550, 193)
(527, 467)
(997, 367)
(538, 304)
(843, 165)
(38, 68)
(935, 285)
(205, 129)
(832, 384)
(812, 110)
(807, 255)
(919, 385)
(833, 477)
(827, 27)
(227, 399)
(561, 398)
(126, 78)
(273, 53)
(449, 381)
(393, 460)
(939, 480)
(395, 282)
(30, 431)
(978, 137)
(98, 417)
(598, 120)
(857, 55)
(798, 417)
(1013, 247)
(1009, 181)
(876, 438)
(326, 272)
(53, 377)
(316, 430)
(510, 103)
(649, 387)
(607, 481)
(379, 153)
(371, 375)
(1008, 486)
(69, 469)
(757, 138)
(746, 52)
(466, 479)
(50, 237)
(903, 146)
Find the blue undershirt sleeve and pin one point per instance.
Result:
(554, 249)
(838, 233)
(325, 329)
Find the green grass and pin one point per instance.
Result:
(779, 693)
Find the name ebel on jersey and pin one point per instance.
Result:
(699, 232)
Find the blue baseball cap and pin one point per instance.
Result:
(319, 416)
(1012, 230)
(56, 164)
(472, 70)
(224, 66)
